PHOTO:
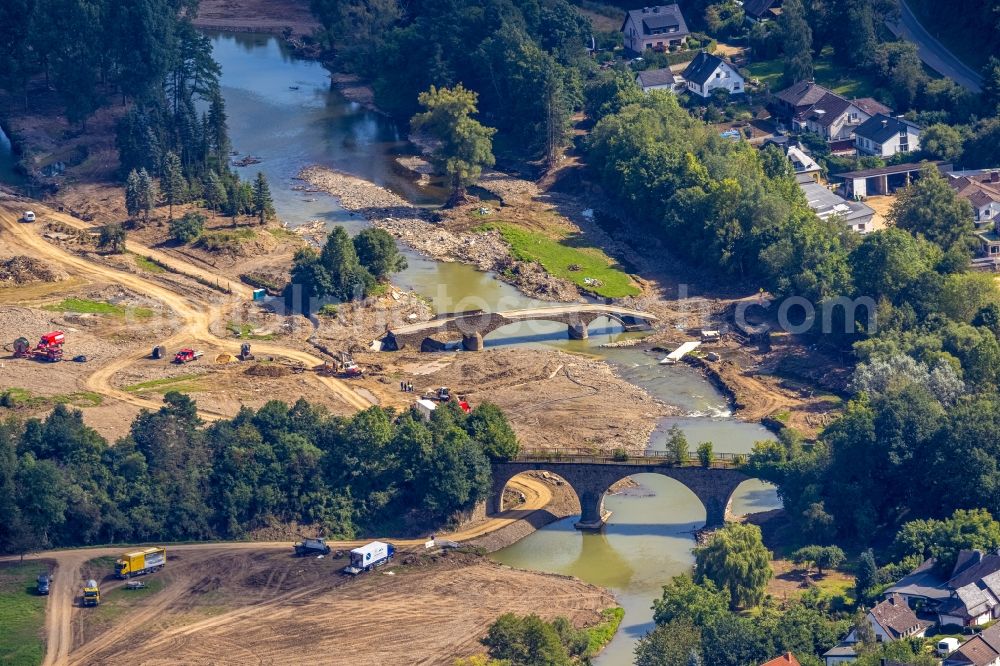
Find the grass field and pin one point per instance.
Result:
(85, 306)
(147, 264)
(827, 73)
(22, 615)
(13, 398)
(246, 331)
(164, 384)
(562, 256)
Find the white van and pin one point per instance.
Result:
(29, 216)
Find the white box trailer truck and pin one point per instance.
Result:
(369, 556)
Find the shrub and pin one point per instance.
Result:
(187, 228)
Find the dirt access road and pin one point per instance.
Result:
(67, 581)
(196, 318)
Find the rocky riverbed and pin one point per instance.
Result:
(412, 225)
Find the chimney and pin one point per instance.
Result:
(885, 122)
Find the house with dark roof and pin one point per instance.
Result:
(981, 188)
(886, 136)
(657, 28)
(856, 215)
(980, 650)
(969, 596)
(761, 10)
(808, 107)
(660, 79)
(891, 619)
(708, 72)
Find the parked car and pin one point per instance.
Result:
(43, 584)
(29, 216)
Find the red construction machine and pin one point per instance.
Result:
(49, 347)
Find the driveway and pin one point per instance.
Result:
(932, 52)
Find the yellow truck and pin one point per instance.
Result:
(91, 593)
(140, 562)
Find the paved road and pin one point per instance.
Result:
(932, 52)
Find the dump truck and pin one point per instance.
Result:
(311, 547)
(139, 562)
(369, 556)
(187, 355)
(91, 593)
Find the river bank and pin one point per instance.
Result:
(411, 225)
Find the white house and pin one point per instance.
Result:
(886, 136)
(891, 620)
(708, 72)
(660, 79)
(656, 28)
(980, 188)
(854, 214)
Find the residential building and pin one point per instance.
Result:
(808, 107)
(856, 215)
(787, 659)
(980, 650)
(802, 162)
(980, 188)
(842, 653)
(891, 619)
(761, 10)
(660, 79)
(708, 72)
(657, 28)
(969, 596)
(886, 136)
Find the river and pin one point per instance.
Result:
(284, 111)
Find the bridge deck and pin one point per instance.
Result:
(527, 314)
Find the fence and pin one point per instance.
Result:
(652, 458)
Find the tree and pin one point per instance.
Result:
(187, 228)
(377, 252)
(525, 641)
(866, 576)
(670, 644)
(112, 238)
(677, 445)
(700, 603)
(172, 181)
(705, 455)
(824, 557)
(735, 559)
(263, 204)
(864, 633)
(943, 539)
(146, 193)
(796, 37)
(133, 197)
(930, 208)
(215, 192)
(488, 426)
(464, 146)
(942, 142)
(991, 86)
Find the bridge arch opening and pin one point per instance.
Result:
(754, 496)
(544, 330)
(563, 499)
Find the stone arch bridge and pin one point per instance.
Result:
(591, 476)
(476, 324)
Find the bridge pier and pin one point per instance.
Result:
(593, 515)
(578, 331)
(472, 341)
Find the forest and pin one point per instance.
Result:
(175, 478)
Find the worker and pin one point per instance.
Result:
(409, 386)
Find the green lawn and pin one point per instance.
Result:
(164, 384)
(22, 615)
(567, 257)
(85, 306)
(147, 264)
(601, 634)
(828, 74)
(246, 331)
(17, 397)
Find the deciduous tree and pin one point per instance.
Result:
(735, 559)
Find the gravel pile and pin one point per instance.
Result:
(19, 270)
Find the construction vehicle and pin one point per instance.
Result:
(352, 370)
(311, 547)
(158, 352)
(187, 355)
(245, 354)
(91, 593)
(139, 562)
(442, 394)
(49, 347)
(369, 556)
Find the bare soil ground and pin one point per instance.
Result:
(553, 399)
(271, 16)
(268, 607)
(881, 205)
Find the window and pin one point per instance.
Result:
(718, 75)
